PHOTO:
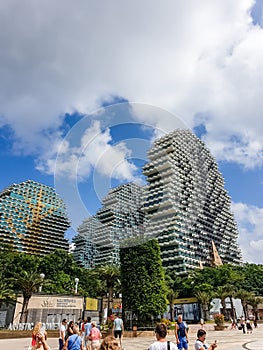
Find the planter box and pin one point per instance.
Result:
(220, 327)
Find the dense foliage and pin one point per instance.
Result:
(142, 279)
(146, 288)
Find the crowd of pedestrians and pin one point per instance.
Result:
(86, 335)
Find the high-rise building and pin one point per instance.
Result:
(84, 249)
(120, 217)
(186, 204)
(33, 219)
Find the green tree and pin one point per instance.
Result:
(142, 278)
(244, 297)
(7, 295)
(253, 278)
(254, 300)
(204, 294)
(28, 283)
(171, 295)
(174, 286)
(110, 274)
(222, 294)
(61, 270)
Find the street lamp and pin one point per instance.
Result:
(42, 276)
(76, 285)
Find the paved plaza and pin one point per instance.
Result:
(227, 340)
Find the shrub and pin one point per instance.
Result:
(219, 319)
(166, 322)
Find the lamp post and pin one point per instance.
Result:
(76, 285)
(42, 276)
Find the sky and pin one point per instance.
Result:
(86, 87)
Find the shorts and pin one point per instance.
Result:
(117, 334)
(95, 344)
(183, 343)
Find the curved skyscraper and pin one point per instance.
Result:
(186, 205)
(33, 219)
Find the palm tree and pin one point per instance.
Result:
(254, 301)
(7, 295)
(171, 295)
(28, 283)
(204, 298)
(222, 294)
(244, 296)
(110, 275)
(230, 290)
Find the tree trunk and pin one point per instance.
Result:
(171, 312)
(23, 316)
(233, 313)
(110, 301)
(244, 308)
(223, 302)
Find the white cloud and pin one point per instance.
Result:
(250, 223)
(201, 61)
(94, 151)
(185, 57)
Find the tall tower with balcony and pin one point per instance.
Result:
(186, 205)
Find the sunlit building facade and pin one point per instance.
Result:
(33, 219)
(84, 249)
(186, 205)
(119, 218)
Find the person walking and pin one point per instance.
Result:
(181, 334)
(74, 341)
(161, 342)
(249, 326)
(242, 325)
(118, 328)
(87, 329)
(62, 333)
(69, 330)
(95, 336)
(200, 343)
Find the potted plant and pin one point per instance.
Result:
(219, 321)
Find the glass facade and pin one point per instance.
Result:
(33, 218)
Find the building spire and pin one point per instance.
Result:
(215, 258)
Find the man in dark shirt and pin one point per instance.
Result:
(181, 334)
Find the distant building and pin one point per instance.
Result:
(33, 219)
(121, 217)
(85, 250)
(187, 206)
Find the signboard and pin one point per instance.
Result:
(91, 304)
(185, 301)
(66, 303)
